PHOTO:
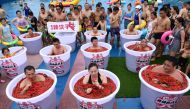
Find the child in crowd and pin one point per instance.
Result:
(70, 17)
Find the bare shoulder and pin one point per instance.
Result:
(86, 78)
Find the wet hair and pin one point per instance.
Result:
(129, 5)
(92, 65)
(3, 50)
(29, 29)
(163, 9)
(79, 6)
(115, 8)
(172, 59)
(69, 14)
(154, 13)
(18, 11)
(76, 8)
(180, 20)
(93, 38)
(56, 40)
(176, 9)
(29, 67)
(98, 5)
(2, 19)
(30, 13)
(109, 9)
(42, 8)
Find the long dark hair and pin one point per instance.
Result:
(92, 65)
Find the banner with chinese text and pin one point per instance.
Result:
(66, 26)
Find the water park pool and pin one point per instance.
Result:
(132, 101)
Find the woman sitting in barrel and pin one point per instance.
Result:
(31, 34)
(58, 48)
(31, 78)
(94, 77)
(95, 47)
(6, 52)
(131, 30)
(142, 46)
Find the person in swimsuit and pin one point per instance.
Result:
(70, 17)
(162, 25)
(31, 34)
(128, 15)
(59, 16)
(169, 68)
(137, 16)
(5, 31)
(33, 20)
(184, 56)
(174, 15)
(179, 37)
(98, 13)
(26, 9)
(6, 52)
(87, 25)
(183, 12)
(20, 21)
(31, 78)
(86, 12)
(58, 48)
(94, 77)
(131, 30)
(42, 15)
(102, 23)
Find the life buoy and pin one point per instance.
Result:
(138, 27)
(167, 37)
(23, 29)
(66, 3)
(15, 40)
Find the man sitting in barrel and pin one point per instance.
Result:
(169, 68)
(31, 78)
(131, 30)
(95, 47)
(31, 34)
(95, 32)
(58, 48)
(142, 46)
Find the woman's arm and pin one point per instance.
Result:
(182, 38)
(104, 79)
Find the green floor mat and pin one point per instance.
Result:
(130, 83)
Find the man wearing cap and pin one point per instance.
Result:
(137, 17)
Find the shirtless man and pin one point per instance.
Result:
(169, 68)
(6, 52)
(86, 12)
(20, 21)
(76, 15)
(51, 9)
(146, 11)
(142, 46)
(31, 34)
(58, 48)
(94, 41)
(131, 30)
(43, 14)
(31, 78)
(59, 15)
(183, 12)
(162, 25)
(2, 12)
(98, 13)
(95, 32)
(115, 25)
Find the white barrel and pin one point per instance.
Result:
(59, 64)
(127, 38)
(101, 38)
(47, 100)
(100, 58)
(105, 102)
(14, 65)
(68, 38)
(34, 44)
(135, 60)
(155, 98)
